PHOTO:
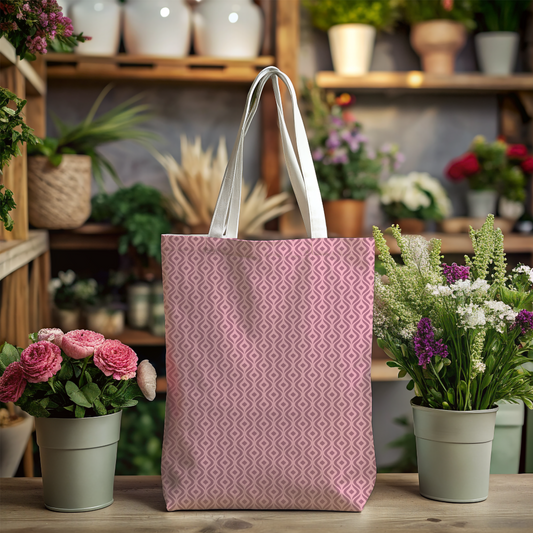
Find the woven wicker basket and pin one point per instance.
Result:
(59, 197)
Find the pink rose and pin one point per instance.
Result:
(40, 361)
(147, 379)
(81, 343)
(116, 359)
(53, 335)
(12, 383)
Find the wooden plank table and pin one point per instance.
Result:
(395, 505)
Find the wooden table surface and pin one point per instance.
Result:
(395, 505)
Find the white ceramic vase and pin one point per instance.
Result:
(68, 319)
(157, 27)
(352, 46)
(13, 441)
(139, 305)
(496, 52)
(101, 20)
(228, 28)
(481, 203)
(108, 322)
(510, 209)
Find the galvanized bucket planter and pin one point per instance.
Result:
(453, 450)
(507, 443)
(78, 458)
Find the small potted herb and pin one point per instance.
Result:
(59, 169)
(438, 31)
(351, 28)
(497, 42)
(411, 200)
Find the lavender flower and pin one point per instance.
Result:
(333, 141)
(339, 156)
(318, 154)
(426, 346)
(454, 272)
(336, 121)
(351, 140)
(524, 321)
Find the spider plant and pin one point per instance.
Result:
(119, 124)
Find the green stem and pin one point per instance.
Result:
(82, 375)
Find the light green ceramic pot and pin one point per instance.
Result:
(453, 450)
(507, 442)
(78, 458)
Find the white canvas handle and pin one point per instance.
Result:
(301, 170)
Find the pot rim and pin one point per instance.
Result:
(79, 419)
(439, 21)
(353, 25)
(432, 409)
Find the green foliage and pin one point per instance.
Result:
(7, 204)
(415, 11)
(501, 15)
(486, 349)
(141, 438)
(119, 124)
(382, 14)
(407, 463)
(140, 211)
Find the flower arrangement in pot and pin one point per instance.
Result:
(438, 31)
(493, 169)
(462, 334)
(411, 200)
(347, 168)
(76, 385)
(497, 42)
(59, 169)
(351, 28)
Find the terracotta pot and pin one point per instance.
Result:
(344, 218)
(411, 226)
(438, 42)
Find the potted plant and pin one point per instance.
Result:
(347, 168)
(76, 385)
(69, 295)
(33, 25)
(15, 431)
(462, 334)
(493, 169)
(157, 27)
(411, 200)
(351, 28)
(59, 171)
(438, 31)
(13, 133)
(497, 42)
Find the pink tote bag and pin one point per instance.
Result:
(268, 354)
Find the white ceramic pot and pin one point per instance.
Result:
(139, 305)
(157, 27)
(13, 442)
(108, 322)
(481, 203)
(510, 209)
(228, 28)
(157, 310)
(68, 319)
(496, 52)
(101, 20)
(352, 46)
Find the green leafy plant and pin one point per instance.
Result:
(7, 204)
(407, 463)
(119, 124)
(74, 375)
(346, 166)
(463, 11)
(462, 333)
(140, 211)
(70, 292)
(501, 15)
(382, 14)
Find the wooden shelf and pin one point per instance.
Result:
(422, 81)
(89, 237)
(132, 67)
(8, 57)
(460, 243)
(140, 337)
(16, 254)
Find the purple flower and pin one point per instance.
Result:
(318, 154)
(333, 141)
(336, 121)
(386, 148)
(351, 140)
(426, 346)
(339, 156)
(524, 321)
(454, 272)
(399, 159)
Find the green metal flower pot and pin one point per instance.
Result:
(453, 450)
(78, 457)
(507, 442)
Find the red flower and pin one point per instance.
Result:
(344, 100)
(40, 361)
(12, 383)
(516, 151)
(462, 167)
(527, 165)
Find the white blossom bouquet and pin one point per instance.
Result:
(462, 333)
(417, 195)
(73, 375)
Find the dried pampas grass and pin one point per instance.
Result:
(196, 182)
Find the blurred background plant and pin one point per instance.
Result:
(462, 11)
(407, 462)
(500, 15)
(70, 292)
